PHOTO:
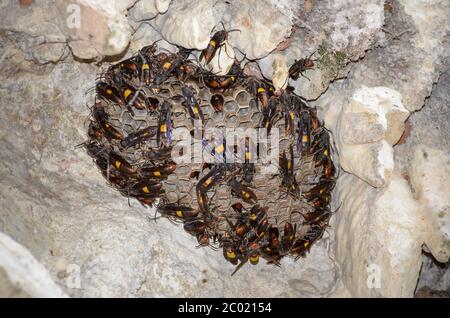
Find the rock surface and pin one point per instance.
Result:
(374, 65)
(424, 159)
(21, 275)
(194, 17)
(146, 10)
(379, 238)
(367, 127)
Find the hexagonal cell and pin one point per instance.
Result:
(230, 106)
(243, 112)
(252, 104)
(177, 99)
(233, 120)
(164, 93)
(175, 87)
(204, 94)
(243, 98)
(256, 117)
(206, 109)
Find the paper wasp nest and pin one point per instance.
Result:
(235, 205)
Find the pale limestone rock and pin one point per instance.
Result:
(312, 83)
(432, 24)
(280, 72)
(373, 114)
(146, 35)
(430, 177)
(379, 236)
(364, 129)
(190, 17)
(337, 26)
(354, 26)
(262, 26)
(145, 10)
(372, 162)
(21, 275)
(103, 29)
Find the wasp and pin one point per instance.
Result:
(237, 207)
(325, 185)
(110, 173)
(133, 98)
(253, 253)
(322, 156)
(127, 68)
(165, 69)
(207, 182)
(287, 173)
(122, 165)
(202, 200)
(290, 115)
(321, 201)
(164, 125)
(288, 237)
(216, 42)
(317, 216)
(240, 228)
(195, 226)
(329, 170)
(138, 137)
(146, 189)
(218, 149)
(150, 50)
(95, 150)
(144, 70)
(300, 66)
(269, 113)
(229, 250)
(302, 245)
(304, 133)
(248, 167)
(178, 211)
(157, 172)
(102, 119)
(249, 253)
(257, 214)
(203, 239)
(289, 121)
(226, 81)
(109, 92)
(194, 109)
(263, 227)
(242, 192)
(185, 71)
(170, 63)
(261, 91)
(94, 131)
(184, 68)
(273, 238)
(211, 178)
(145, 201)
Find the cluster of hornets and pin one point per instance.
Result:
(139, 103)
